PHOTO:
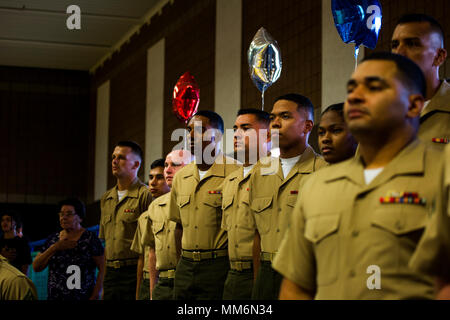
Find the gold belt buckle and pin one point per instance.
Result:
(116, 264)
(196, 256)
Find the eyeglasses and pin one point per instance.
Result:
(67, 214)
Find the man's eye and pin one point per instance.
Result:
(337, 131)
(321, 133)
(394, 44)
(375, 88)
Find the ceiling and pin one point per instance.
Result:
(33, 33)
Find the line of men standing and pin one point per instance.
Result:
(245, 231)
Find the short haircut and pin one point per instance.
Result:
(157, 163)
(407, 71)
(301, 101)
(76, 203)
(135, 148)
(420, 17)
(262, 116)
(337, 107)
(14, 216)
(214, 118)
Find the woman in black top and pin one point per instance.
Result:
(12, 247)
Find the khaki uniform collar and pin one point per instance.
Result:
(304, 165)
(133, 191)
(163, 200)
(439, 102)
(217, 169)
(410, 160)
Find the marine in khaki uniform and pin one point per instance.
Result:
(421, 38)
(196, 207)
(251, 135)
(357, 223)
(274, 185)
(14, 285)
(160, 233)
(120, 208)
(158, 187)
(432, 256)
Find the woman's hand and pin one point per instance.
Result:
(65, 244)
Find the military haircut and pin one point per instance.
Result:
(262, 116)
(157, 163)
(214, 119)
(303, 103)
(420, 17)
(407, 71)
(134, 146)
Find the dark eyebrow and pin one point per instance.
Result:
(281, 113)
(367, 80)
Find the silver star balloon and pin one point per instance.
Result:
(264, 61)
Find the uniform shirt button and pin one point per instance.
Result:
(196, 208)
(355, 233)
(236, 245)
(196, 245)
(235, 226)
(168, 247)
(278, 230)
(279, 209)
(352, 273)
(398, 225)
(168, 231)
(195, 227)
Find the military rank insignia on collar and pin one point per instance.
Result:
(128, 211)
(294, 191)
(440, 140)
(215, 192)
(403, 197)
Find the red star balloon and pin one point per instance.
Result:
(186, 97)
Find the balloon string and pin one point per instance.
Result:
(262, 98)
(356, 56)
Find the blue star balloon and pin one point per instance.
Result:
(357, 21)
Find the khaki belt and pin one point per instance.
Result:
(146, 275)
(167, 274)
(116, 264)
(204, 255)
(267, 256)
(241, 265)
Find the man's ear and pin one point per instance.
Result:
(440, 57)
(309, 124)
(416, 102)
(137, 164)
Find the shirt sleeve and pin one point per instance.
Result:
(432, 255)
(174, 210)
(136, 244)
(295, 259)
(101, 233)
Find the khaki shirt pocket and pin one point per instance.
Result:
(261, 206)
(322, 231)
(400, 219)
(291, 200)
(213, 213)
(183, 205)
(157, 229)
(227, 210)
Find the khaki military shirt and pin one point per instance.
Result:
(197, 204)
(433, 253)
(160, 234)
(118, 220)
(435, 118)
(138, 241)
(237, 219)
(345, 235)
(14, 285)
(272, 197)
